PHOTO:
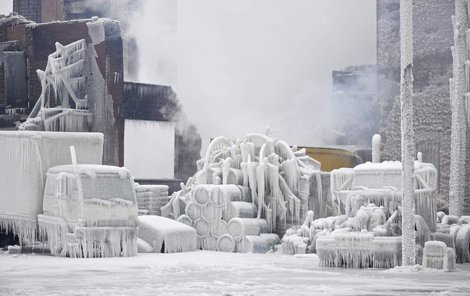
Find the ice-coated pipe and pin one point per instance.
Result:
(376, 142)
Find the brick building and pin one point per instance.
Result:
(25, 47)
(104, 74)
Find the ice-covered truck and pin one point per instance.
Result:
(89, 211)
(80, 197)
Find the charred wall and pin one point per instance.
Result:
(40, 11)
(103, 70)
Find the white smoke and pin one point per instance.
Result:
(240, 65)
(247, 64)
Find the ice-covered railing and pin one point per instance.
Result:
(63, 78)
(380, 183)
(62, 84)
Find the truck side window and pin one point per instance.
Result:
(71, 187)
(50, 186)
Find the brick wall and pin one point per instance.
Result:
(52, 10)
(433, 37)
(30, 9)
(39, 41)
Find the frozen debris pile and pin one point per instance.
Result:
(96, 214)
(437, 255)
(151, 198)
(248, 188)
(454, 231)
(63, 103)
(368, 234)
(380, 183)
(25, 158)
(165, 235)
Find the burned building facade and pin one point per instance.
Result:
(26, 46)
(103, 70)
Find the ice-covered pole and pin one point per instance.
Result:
(407, 133)
(458, 130)
(376, 140)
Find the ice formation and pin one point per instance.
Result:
(248, 188)
(460, 106)
(89, 211)
(376, 141)
(437, 255)
(28, 155)
(369, 231)
(407, 132)
(165, 235)
(62, 104)
(151, 198)
(380, 183)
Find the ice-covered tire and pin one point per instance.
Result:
(226, 243)
(185, 220)
(462, 244)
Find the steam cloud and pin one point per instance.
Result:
(240, 65)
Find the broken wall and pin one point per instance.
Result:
(103, 69)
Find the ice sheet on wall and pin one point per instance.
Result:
(149, 148)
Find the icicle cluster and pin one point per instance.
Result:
(28, 155)
(380, 183)
(60, 106)
(438, 256)
(454, 231)
(87, 242)
(246, 188)
(165, 235)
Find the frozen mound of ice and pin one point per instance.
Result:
(454, 231)
(381, 184)
(248, 187)
(151, 198)
(438, 256)
(166, 235)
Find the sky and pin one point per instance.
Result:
(240, 66)
(6, 6)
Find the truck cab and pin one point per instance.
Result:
(89, 211)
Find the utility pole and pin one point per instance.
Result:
(459, 89)
(407, 133)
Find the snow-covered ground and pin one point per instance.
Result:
(213, 273)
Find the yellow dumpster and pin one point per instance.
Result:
(334, 158)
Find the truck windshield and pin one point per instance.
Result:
(106, 187)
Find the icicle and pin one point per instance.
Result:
(467, 108)
(261, 182)
(467, 76)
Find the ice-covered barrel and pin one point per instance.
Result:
(226, 243)
(262, 243)
(185, 220)
(239, 227)
(240, 209)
